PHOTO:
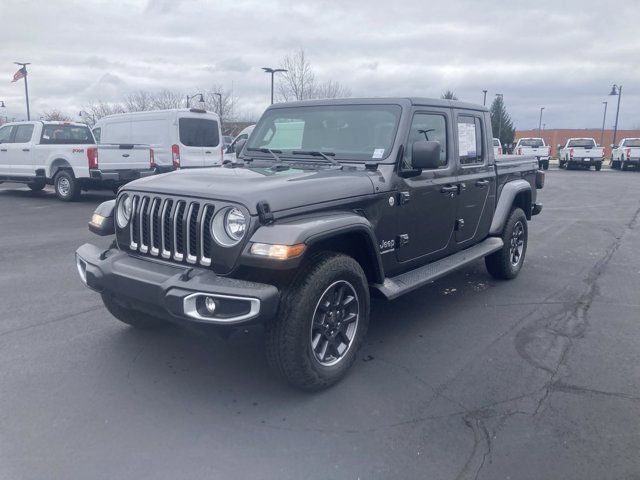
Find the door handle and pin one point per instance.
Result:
(482, 183)
(449, 189)
(25, 149)
(207, 151)
(3, 150)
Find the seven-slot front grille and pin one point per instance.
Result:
(172, 229)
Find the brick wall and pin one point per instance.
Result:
(556, 136)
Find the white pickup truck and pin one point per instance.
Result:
(65, 155)
(497, 147)
(626, 154)
(534, 147)
(581, 152)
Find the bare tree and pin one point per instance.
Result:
(220, 101)
(299, 81)
(139, 101)
(55, 115)
(449, 95)
(331, 89)
(166, 99)
(99, 109)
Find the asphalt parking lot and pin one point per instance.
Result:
(537, 378)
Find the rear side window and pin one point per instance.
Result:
(199, 132)
(66, 135)
(5, 133)
(23, 134)
(470, 151)
(632, 143)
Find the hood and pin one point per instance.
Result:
(247, 186)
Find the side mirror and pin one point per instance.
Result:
(425, 154)
(612, 146)
(239, 147)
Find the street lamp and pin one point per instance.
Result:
(219, 95)
(501, 96)
(2, 105)
(189, 97)
(484, 99)
(616, 90)
(272, 71)
(540, 121)
(604, 117)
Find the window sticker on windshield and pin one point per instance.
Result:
(378, 153)
(466, 139)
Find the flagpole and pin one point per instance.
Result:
(26, 86)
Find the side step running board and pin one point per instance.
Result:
(393, 287)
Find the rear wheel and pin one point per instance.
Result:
(130, 317)
(507, 262)
(598, 167)
(36, 186)
(66, 186)
(321, 322)
(545, 165)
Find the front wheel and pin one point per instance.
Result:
(66, 186)
(321, 322)
(507, 262)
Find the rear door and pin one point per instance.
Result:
(123, 157)
(427, 209)
(476, 179)
(199, 138)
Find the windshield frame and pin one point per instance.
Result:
(288, 155)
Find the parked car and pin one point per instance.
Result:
(626, 154)
(230, 151)
(581, 152)
(226, 141)
(65, 155)
(180, 138)
(535, 147)
(497, 147)
(330, 200)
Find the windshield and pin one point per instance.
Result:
(632, 143)
(199, 132)
(66, 135)
(354, 132)
(531, 142)
(582, 142)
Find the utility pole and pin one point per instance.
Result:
(219, 105)
(26, 85)
(617, 92)
(540, 122)
(272, 71)
(484, 99)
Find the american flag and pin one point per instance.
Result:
(19, 74)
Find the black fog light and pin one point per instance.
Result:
(210, 304)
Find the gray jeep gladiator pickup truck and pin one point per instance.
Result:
(328, 203)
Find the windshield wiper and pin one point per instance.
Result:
(326, 155)
(278, 164)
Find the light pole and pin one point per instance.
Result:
(189, 97)
(272, 71)
(219, 95)
(501, 97)
(604, 118)
(26, 86)
(540, 122)
(2, 105)
(484, 99)
(616, 90)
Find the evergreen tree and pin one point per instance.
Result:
(449, 95)
(501, 123)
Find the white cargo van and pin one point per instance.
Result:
(180, 138)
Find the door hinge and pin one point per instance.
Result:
(460, 224)
(403, 240)
(404, 198)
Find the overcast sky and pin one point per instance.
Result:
(563, 55)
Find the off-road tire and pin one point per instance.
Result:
(598, 167)
(66, 186)
(131, 317)
(545, 165)
(499, 264)
(288, 335)
(36, 186)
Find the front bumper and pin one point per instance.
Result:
(174, 292)
(119, 176)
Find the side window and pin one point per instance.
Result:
(96, 134)
(23, 133)
(431, 127)
(5, 133)
(470, 148)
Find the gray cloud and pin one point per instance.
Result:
(560, 55)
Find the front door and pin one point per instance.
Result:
(476, 180)
(427, 212)
(20, 151)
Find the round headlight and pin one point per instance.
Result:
(228, 226)
(123, 213)
(235, 224)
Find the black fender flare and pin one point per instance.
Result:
(312, 230)
(107, 223)
(506, 200)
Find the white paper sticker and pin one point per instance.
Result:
(466, 139)
(378, 153)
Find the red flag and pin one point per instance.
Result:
(19, 74)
